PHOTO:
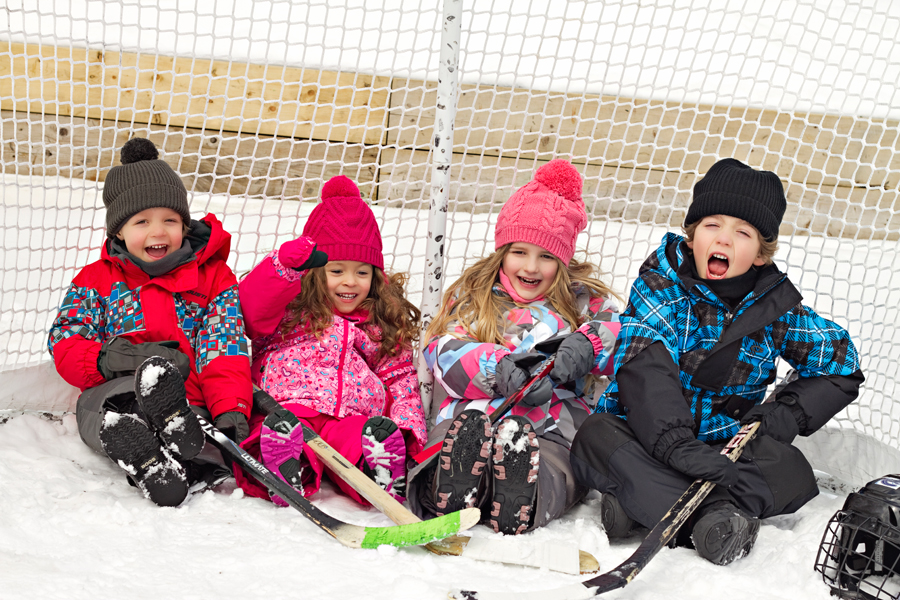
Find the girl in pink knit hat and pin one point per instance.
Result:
(500, 319)
(332, 344)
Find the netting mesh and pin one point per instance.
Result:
(256, 104)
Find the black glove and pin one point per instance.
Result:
(234, 425)
(781, 419)
(118, 357)
(574, 358)
(695, 459)
(514, 371)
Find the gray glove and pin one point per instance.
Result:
(234, 425)
(574, 358)
(118, 357)
(695, 459)
(514, 371)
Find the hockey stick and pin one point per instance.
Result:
(658, 537)
(542, 370)
(352, 536)
(554, 557)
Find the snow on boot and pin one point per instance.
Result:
(280, 447)
(516, 463)
(613, 518)
(384, 456)
(464, 457)
(130, 443)
(159, 389)
(723, 533)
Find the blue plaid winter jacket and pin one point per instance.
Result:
(705, 365)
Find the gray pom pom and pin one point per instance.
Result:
(137, 149)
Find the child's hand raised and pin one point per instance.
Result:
(301, 254)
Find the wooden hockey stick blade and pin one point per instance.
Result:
(487, 549)
(658, 537)
(541, 372)
(352, 536)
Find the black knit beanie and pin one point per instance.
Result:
(732, 188)
(142, 181)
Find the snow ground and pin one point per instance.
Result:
(71, 527)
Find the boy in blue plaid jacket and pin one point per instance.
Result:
(706, 320)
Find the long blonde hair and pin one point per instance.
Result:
(472, 303)
(393, 320)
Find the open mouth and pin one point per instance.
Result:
(529, 282)
(346, 297)
(156, 251)
(717, 266)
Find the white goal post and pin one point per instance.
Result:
(439, 111)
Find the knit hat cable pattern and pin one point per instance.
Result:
(732, 188)
(343, 226)
(548, 211)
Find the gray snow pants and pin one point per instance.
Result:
(557, 488)
(775, 478)
(117, 395)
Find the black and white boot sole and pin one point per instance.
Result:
(130, 444)
(464, 457)
(516, 464)
(724, 535)
(161, 397)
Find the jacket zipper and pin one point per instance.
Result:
(340, 390)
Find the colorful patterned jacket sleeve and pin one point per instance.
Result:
(399, 376)
(75, 337)
(266, 291)
(463, 366)
(602, 331)
(221, 354)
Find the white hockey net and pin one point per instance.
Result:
(258, 103)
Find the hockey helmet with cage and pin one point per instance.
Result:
(859, 556)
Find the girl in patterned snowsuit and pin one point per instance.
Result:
(160, 303)
(529, 295)
(333, 345)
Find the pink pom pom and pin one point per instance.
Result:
(560, 176)
(340, 187)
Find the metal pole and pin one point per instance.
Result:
(442, 159)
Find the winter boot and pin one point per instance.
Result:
(516, 463)
(384, 456)
(160, 394)
(723, 533)
(465, 453)
(613, 518)
(132, 445)
(280, 447)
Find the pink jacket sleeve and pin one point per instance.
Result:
(399, 375)
(266, 291)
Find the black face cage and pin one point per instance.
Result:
(859, 556)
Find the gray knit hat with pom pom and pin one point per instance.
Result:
(142, 181)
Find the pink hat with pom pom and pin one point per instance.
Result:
(548, 211)
(343, 226)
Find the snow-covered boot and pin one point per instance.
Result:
(130, 443)
(723, 533)
(280, 447)
(384, 455)
(516, 463)
(613, 518)
(159, 389)
(462, 464)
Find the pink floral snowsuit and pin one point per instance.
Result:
(333, 384)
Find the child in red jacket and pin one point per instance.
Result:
(154, 329)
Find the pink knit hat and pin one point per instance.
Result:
(343, 225)
(548, 211)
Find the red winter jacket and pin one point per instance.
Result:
(196, 304)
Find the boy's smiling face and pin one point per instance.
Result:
(725, 247)
(153, 233)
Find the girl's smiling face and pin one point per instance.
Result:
(348, 283)
(153, 233)
(725, 247)
(530, 268)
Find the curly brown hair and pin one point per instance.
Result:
(393, 320)
(471, 301)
